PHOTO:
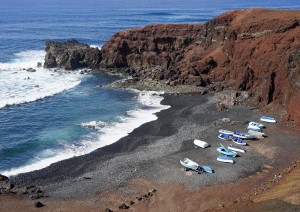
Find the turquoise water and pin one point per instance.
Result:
(55, 115)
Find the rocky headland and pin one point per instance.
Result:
(254, 51)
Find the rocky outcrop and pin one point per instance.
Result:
(255, 50)
(4, 183)
(71, 55)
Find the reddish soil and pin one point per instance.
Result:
(254, 50)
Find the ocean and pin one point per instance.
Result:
(51, 114)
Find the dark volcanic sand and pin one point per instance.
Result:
(153, 151)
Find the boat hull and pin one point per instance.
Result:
(225, 159)
(227, 153)
(225, 132)
(239, 141)
(225, 137)
(267, 119)
(256, 124)
(236, 149)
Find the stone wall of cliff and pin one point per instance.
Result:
(254, 50)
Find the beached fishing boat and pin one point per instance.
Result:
(206, 169)
(198, 143)
(255, 128)
(225, 132)
(239, 141)
(252, 123)
(267, 119)
(191, 165)
(236, 148)
(225, 159)
(223, 150)
(242, 135)
(225, 137)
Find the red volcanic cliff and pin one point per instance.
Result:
(255, 50)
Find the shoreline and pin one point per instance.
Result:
(158, 137)
(152, 152)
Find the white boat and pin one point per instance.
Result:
(252, 123)
(226, 132)
(255, 128)
(225, 137)
(242, 135)
(236, 148)
(267, 119)
(225, 159)
(191, 165)
(200, 143)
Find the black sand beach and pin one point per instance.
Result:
(149, 157)
(153, 151)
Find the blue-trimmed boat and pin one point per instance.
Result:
(267, 119)
(223, 150)
(252, 123)
(225, 136)
(243, 135)
(226, 132)
(191, 165)
(239, 141)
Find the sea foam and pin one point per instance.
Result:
(20, 86)
(103, 134)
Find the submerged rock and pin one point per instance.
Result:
(30, 70)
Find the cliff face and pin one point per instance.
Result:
(256, 50)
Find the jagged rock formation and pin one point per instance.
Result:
(254, 50)
(71, 55)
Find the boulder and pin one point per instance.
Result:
(39, 64)
(5, 183)
(124, 206)
(38, 204)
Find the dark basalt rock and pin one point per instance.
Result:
(124, 206)
(38, 204)
(71, 55)
(5, 183)
(30, 70)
